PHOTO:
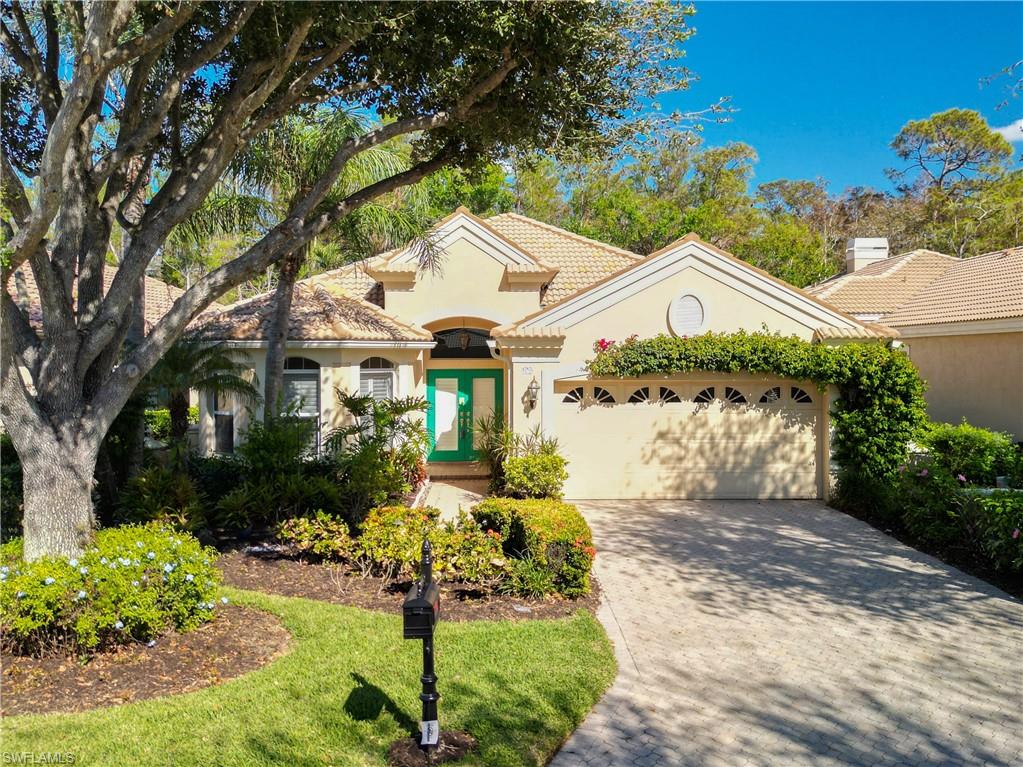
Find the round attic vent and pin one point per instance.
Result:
(685, 316)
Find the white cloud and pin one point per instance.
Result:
(1013, 131)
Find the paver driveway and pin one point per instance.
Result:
(785, 633)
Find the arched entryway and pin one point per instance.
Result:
(465, 382)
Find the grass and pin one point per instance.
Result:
(348, 689)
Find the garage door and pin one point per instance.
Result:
(673, 438)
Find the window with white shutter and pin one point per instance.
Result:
(302, 393)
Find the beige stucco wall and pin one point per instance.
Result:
(978, 377)
(339, 369)
(467, 282)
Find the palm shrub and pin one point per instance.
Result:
(380, 451)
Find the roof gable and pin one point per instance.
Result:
(690, 252)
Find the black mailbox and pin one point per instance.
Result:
(421, 610)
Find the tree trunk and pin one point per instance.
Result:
(278, 334)
(178, 407)
(58, 499)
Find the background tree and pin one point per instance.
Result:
(118, 103)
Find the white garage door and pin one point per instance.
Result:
(674, 438)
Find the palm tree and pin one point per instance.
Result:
(196, 363)
(280, 167)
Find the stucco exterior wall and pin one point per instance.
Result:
(466, 282)
(978, 377)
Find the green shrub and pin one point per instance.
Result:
(551, 533)
(215, 476)
(535, 476)
(876, 499)
(158, 422)
(528, 578)
(930, 499)
(11, 494)
(463, 551)
(272, 499)
(133, 584)
(159, 494)
(1001, 528)
(275, 447)
(321, 535)
(978, 455)
(391, 539)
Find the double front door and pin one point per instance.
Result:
(458, 399)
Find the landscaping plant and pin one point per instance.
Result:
(535, 476)
(978, 455)
(523, 465)
(550, 534)
(133, 584)
(322, 536)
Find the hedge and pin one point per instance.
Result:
(879, 409)
(548, 534)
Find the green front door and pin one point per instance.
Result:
(458, 399)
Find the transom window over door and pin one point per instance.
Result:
(302, 392)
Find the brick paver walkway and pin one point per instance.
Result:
(785, 633)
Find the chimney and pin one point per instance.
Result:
(863, 251)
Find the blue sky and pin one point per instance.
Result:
(822, 87)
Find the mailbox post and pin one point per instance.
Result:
(420, 612)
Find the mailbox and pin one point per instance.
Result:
(421, 610)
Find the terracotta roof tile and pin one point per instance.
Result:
(353, 279)
(579, 260)
(160, 296)
(883, 286)
(318, 313)
(987, 287)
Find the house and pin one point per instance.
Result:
(504, 322)
(961, 320)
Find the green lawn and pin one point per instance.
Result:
(348, 688)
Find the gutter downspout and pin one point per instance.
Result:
(492, 346)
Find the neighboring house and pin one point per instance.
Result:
(961, 321)
(505, 321)
(159, 297)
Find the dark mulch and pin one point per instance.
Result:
(451, 747)
(273, 570)
(239, 640)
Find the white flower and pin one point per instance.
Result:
(134, 583)
(83, 570)
(103, 560)
(168, 567)
(72, 562)
(189, 577)
(119, 625)
(150, 555)
(223, 600)
(138, 544)
(48, 581)
(80, 595)
(21, 595)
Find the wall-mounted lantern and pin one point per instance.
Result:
(532, 393)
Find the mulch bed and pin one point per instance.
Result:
(451, 747)
(237, 641)
(273, 570)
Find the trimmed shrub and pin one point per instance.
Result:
(159, 494)
(551, 533)
(392, 539)
(978, 455)
(268, 501)
(158, 422)
(1001, 515)
(133, 584)
(322, 536)
(535, 476)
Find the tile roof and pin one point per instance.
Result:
(987, 287)
(579, 260)
(883, 286)
(353, 279)
(318, 313)
(160, 296)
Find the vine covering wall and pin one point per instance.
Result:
(879, 409)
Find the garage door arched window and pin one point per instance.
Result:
(574, 395)
(377, 378)
(705, 395)
(603, 396)
(302, 392)
(669, 395)
(642, 394)
(801, 397)
(735, 396)
(771, 396)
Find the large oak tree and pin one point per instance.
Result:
(125, 115)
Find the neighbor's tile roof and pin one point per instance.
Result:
(987, 287)
(353, 280)
(883, 286)
(579, 260)
(318, 313)
(160, 296)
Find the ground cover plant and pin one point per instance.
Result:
(348, 688)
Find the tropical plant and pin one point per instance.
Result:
(379, 449)
(196, 363)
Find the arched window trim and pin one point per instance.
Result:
(771, 396)
(704, 396)
(573, 395)
(668, 395)
(603, 396)
(800, 396)
(735, 396)
(642, 394)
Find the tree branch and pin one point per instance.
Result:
(152, 38)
